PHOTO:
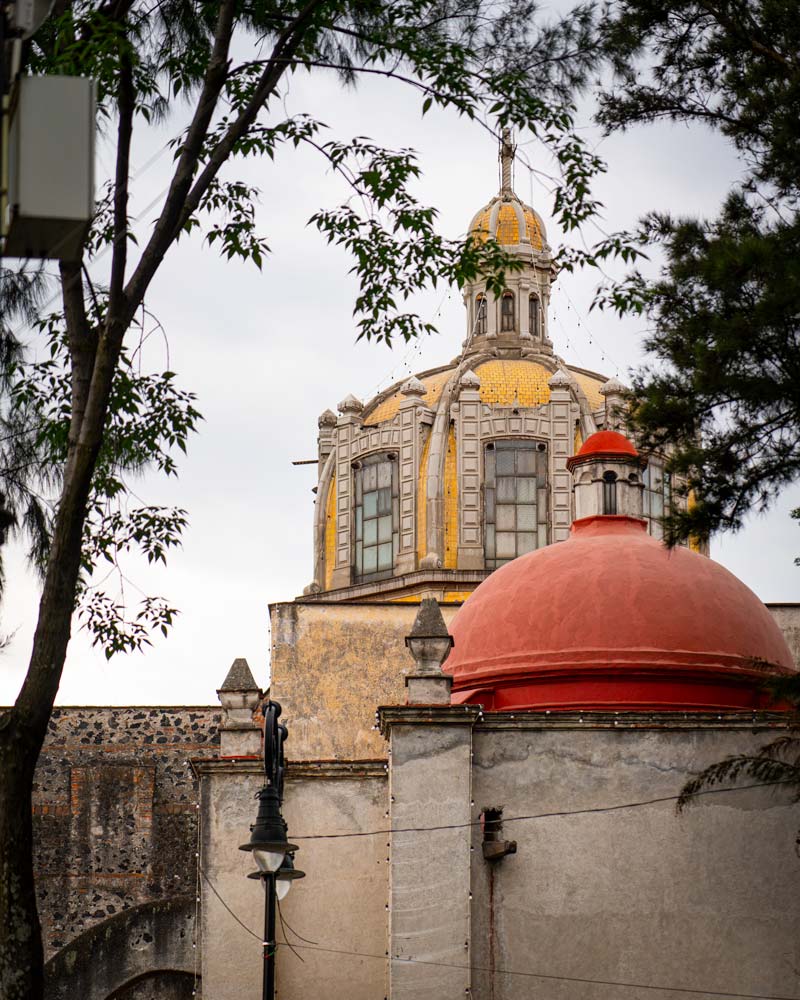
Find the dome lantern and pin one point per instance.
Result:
(607, 477)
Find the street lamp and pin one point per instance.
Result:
(268, 843)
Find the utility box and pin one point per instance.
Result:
(50, 167)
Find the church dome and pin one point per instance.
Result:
(612, 620)
(510, 222)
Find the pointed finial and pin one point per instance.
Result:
(506, 163)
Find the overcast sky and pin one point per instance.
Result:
(267, 352)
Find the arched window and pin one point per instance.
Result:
(533, 316)
(514, 500)
(609, 493)
(376, 517)
(507, 312)
(480, 316)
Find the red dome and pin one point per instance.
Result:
(606, 443)
(611, 619)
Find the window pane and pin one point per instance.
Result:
(370, 532)
(370, 477)
(371, 559)
(385, 556)
(490, 541)
(526, 542)
(489, 464)
(541, 500)
(657, 505)
(526, 490)
(526, 461)
(385, 500)
(359, 569)
(488, 498)
(542, 535)
(656, 530)
(526, 518)
(505, 517)
(505, 463)
(359, 521)
(385, 474)
(506, 490)
(370, 504)
(385, 529)
(506, 545)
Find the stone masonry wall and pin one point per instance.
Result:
(115, 812)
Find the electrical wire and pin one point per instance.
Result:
(526, 974)
(555, 814)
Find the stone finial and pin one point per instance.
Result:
(469, 380)
(613, 387)
(413, 387)
(327, 419)
(350, 404)
(239, 696)
(560, 380)
(429, 643)
(239, 678)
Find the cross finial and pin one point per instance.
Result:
(506, 163)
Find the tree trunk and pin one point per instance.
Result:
(21, 957)
(24, 727)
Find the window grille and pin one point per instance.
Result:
(533, 316)
(507, 312)
(376, 517)
(515, 500)
(480, 316)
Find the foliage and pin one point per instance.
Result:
(224, 66)
(724, 312)
(148, 417)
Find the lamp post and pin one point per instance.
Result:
(268, 843)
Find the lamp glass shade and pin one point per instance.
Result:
(268, 861)
(282, 887)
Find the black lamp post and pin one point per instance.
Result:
(268, 843)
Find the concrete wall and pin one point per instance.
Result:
(332, 665)
(709, 900)
(339, 908)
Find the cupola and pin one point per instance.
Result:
(515, 322)
(607, 476)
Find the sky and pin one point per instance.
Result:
(266, 352)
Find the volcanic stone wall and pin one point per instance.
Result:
(115, 815)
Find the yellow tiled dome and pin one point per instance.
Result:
(510, 223)
(503, 383)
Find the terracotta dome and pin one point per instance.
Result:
(606, 443)
(612, 620)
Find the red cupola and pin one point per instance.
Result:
(612, 620)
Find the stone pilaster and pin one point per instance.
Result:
(411, 408)
(614, 393)
(429, 895)
(347, 428)
(467, 414)
(561, 447)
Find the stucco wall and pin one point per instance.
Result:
(340, 905)
(708, 900)
(788, 618)
(332, 665)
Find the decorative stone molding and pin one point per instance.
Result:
(350, 404)
(413, 387)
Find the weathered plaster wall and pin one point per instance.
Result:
(341, 904)
(708, 900)
(788, 618)
(332, 665)
(115, 821)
